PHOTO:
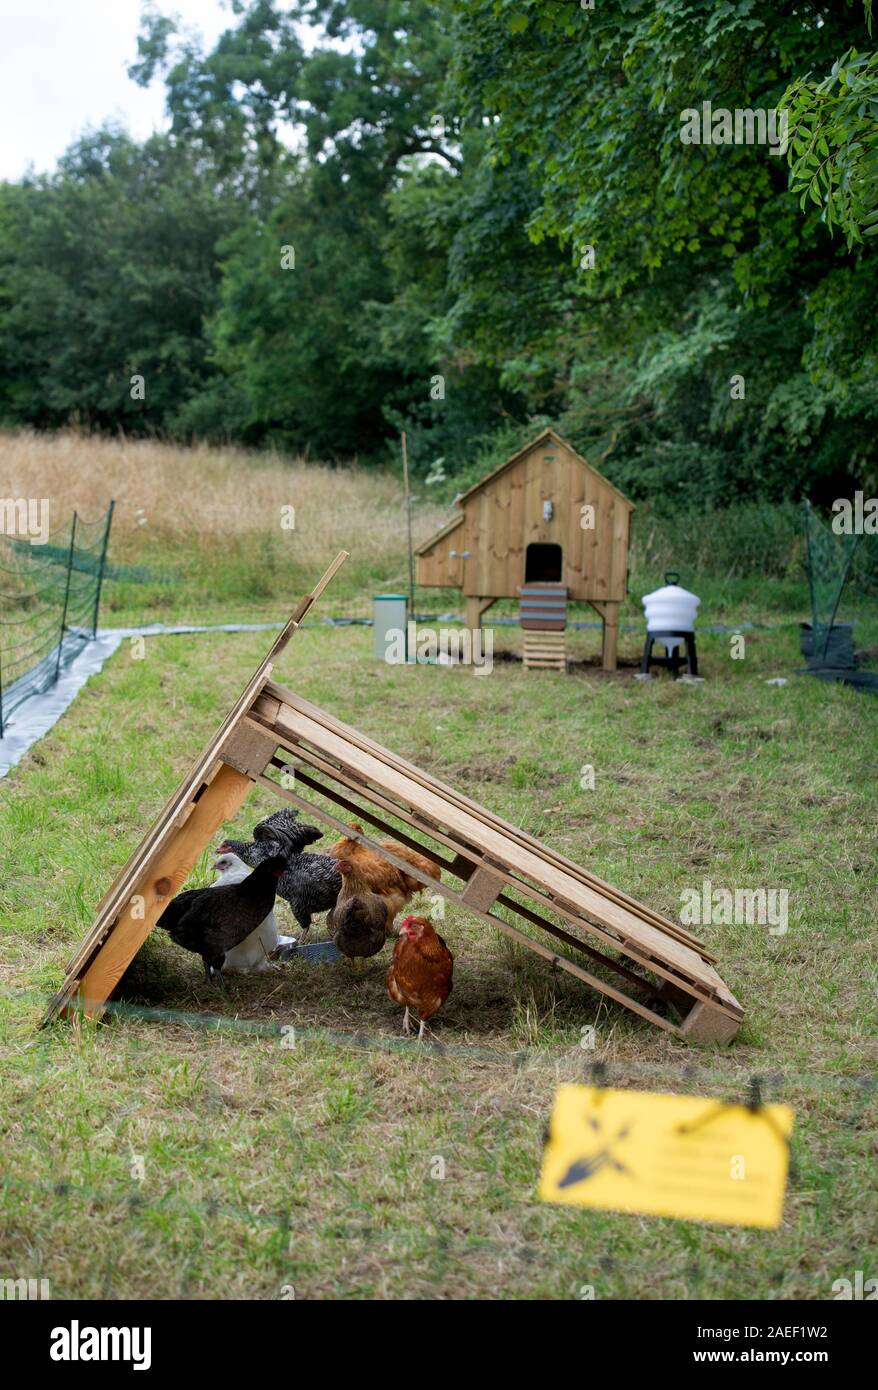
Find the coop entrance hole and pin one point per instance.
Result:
(542, 564)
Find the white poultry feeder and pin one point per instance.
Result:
(670, 621)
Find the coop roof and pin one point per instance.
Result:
(452, 525)
(545, 436)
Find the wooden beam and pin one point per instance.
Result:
(482, 890)
(249, 749)
(365, 815)
(172, 815)
(474, 608)
(304, 605)
(705, 1025)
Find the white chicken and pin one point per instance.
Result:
(250, 956)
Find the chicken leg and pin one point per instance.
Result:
(212, 975)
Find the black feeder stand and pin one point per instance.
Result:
(673, 658)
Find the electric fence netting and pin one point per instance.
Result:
(50, 593)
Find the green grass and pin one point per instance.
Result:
(267, 1166)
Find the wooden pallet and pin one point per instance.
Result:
(647, 963)
(545, 651)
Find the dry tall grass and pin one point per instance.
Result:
(168, 496)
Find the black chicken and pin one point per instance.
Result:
(210, 921)
(311, 882)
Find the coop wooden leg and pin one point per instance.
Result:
(474, 608)
(611, 636)
(161, 880)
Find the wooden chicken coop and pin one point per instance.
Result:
(545, 516)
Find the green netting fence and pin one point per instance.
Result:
(50, 594)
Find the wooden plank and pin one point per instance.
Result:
(304, 605)
(515, 568)
(609, 612)
(703, 1024)
(362, 814)
(174, 808)
(249, 748)
(426, 779)
(573, 555)
(619, 568)
(482, 890)
(195, 785)
(159, 881)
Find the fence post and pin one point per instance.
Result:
(94, 627)
(66, 597)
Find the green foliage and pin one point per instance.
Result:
(834, 146)
(704, 265)
(496, 224)
(106, 271)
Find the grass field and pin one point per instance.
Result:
(181, 1150)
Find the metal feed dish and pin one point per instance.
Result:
(313, 952)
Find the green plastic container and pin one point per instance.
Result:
(389, 614)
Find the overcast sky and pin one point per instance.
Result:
(63, 68)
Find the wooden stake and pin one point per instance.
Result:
(408, 510)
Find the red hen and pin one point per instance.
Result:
(420, 972)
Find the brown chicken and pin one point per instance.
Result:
(379, 874)
(420, 972)
(361, 920)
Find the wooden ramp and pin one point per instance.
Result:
(644, 961)
(545, 651)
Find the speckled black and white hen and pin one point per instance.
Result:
(311, 883)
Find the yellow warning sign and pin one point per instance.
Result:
(691, 1157)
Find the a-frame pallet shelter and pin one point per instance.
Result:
(646, 962)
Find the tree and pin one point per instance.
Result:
(683, 259)
(834, 147)
(106, 271)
